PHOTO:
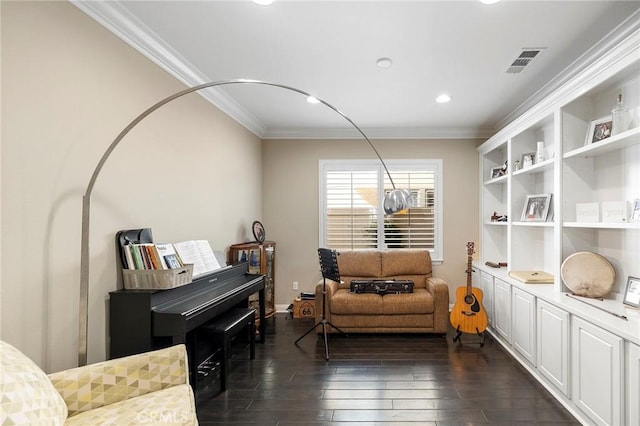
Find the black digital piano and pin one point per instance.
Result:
(144, 320)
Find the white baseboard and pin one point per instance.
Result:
(282, 309)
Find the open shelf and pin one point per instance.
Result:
(536, 168)
(602, 225)
(498, 180)
(614, 143)
(534, 224)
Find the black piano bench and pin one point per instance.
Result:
(224, 328)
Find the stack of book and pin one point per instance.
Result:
(171, 256)
(307, 295)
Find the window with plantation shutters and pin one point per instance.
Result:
(351, 215)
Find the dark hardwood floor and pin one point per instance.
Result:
(376, 380)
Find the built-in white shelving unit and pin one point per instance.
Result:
(559, 337)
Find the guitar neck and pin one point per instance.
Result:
(470, 251)
(469, 260)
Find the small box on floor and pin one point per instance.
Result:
(304, 308)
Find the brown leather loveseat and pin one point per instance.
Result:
(426, 310)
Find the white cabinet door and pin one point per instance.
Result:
(597, 372)
(553, 345)
(485, 283)
(633, 384)
(523, 324)
(502, 309)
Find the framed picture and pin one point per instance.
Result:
(496, 172)
(632, 293)
(258, 231)
(528, 159)
(599, 130)
(536, 208)
(635, 211)
(243, 256)
(254, 261)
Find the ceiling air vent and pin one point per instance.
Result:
(523, 60)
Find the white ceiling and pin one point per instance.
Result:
(329, 48)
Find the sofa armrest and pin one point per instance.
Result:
(96, 385)
(440, 291)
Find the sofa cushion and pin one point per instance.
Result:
(418, 323)
(170, 406)
(344, 302)
(28, 397)
(406, 262)
(418, 302)
(360, 263)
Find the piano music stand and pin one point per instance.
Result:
(329, 269)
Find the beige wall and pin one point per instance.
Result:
(68, 88)
(290, 197)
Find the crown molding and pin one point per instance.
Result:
(132, 31)
(616, 36)
(381, 133)
(614, 60)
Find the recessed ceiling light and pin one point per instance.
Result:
(312, 100)
(489, 1)
(263, 2)
(443, 99)
(384, 62)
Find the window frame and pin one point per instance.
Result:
(435, 165)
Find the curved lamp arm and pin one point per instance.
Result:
(395, 201)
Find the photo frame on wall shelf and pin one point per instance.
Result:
(632, 292)
(635, 211)
(258, 231)
(599, 130)
(497, 172)
(536, 208)
(528, 159)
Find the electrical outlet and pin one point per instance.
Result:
(295, 285)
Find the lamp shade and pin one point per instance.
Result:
(397, 200)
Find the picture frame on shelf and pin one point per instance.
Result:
(497, 172)
(599, 130)
(528, 159)
(536, 208)
(258, 231)
(254, 261)
(635, 211)
(243, 256)
(632, 292)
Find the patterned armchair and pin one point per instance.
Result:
(149, 388)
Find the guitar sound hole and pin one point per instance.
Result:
(469, 299)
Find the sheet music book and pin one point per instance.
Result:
(199, 253)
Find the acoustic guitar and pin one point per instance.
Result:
(468, 314)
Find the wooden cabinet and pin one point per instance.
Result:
(553, 345)
(523, 324)
(261, 259)
(597, 373)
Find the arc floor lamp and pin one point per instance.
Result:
(394, 201)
